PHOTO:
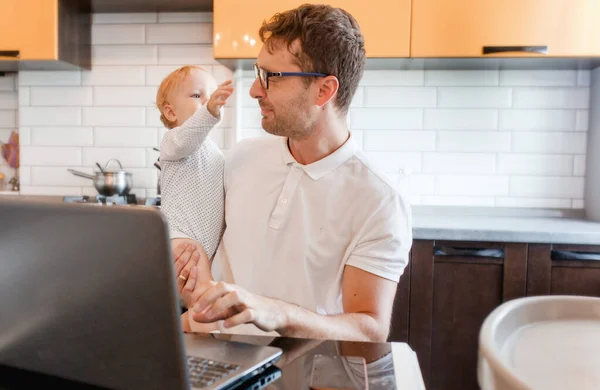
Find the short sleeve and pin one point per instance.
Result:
(385, 241)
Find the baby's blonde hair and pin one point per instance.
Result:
(170, 83)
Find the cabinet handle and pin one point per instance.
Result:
(519, 49)
(556, 254)
(9, 53)
(447, 251)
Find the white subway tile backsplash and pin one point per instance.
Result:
(538, 78)
(153, 117)
(185, 17)
(54, 176)
(461, 119)
(450, 137)
(566, 98)
(382, 97)
(393, 162)
(395, 140)
(25, 176)
(61, 136)
(128, 157)
(584, 77)
(547, 187)
(534, 203)
(358, 100)
(8, 100)
(457, 201)
(50, 191)
(127, 18)
(540, 120)
(61, 96)
(144, 177)
(474, 97)
(24, 96)
(473, 141)
(50, 116)
(392, 77)
(179, 33)
(461, 78)
(125, 136)
(46, 77)
(24, 136)
(8, 83)
(559, 143)
(473, 185)
(114, 75)
(582, 120)
(535, 164)
(118, 34)
(386, 119)
(251, 119)
(579, 165)
(156, 73)
(125, 96)
(222, 74)
(466, 163)
(8, 118)
(151, 157)
(186, 54)
(420, 184)
(114, 116)
(124, 54)
(50, 156)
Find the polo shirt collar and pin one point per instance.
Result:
(320, 168)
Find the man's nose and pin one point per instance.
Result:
(256, 90)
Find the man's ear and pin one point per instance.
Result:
(168, 112)
(327, 90)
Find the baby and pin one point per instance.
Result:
(191, 178)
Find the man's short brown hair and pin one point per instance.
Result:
(330, 43)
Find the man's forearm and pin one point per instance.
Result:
(303, 323)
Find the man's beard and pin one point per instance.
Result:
(294, 125)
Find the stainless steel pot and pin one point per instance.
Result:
(109, 183)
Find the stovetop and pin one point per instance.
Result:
(115, 200)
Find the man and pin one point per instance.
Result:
(316, 239)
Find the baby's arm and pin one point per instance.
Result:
(182, 141)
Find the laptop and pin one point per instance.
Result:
(88, 294)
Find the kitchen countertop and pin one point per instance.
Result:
(504, 224)
(454, 223)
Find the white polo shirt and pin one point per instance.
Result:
(292, 228)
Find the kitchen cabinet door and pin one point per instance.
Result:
(454, 286)
(563, 270)
(463, 28)
(29, 28)
(385, 25)
(45, 34)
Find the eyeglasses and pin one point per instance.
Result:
(263, 75)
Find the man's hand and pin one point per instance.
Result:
(223, 301)
(218, 98)
(191, 265)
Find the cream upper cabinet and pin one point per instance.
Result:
(385, 25)
(515, 28)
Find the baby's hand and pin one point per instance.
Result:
(219, 97)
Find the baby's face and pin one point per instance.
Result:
(193, 92)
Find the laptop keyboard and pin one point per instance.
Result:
(205, 372)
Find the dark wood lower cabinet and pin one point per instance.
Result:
(450, 287)
(563, 270)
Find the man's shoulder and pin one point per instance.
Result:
(374, 178)
(257, 146)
